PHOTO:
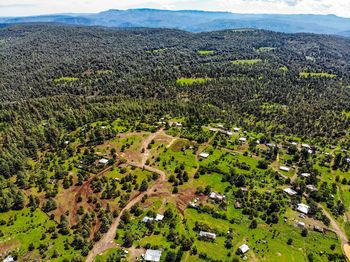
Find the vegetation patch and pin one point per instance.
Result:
(265, 49)
(65, 79)
(246, 62)
(191, 81)
(324, 75)
(206, 52)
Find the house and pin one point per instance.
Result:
(207, 235)
(66, 142)
(152, 255)
(236, 129)
(9, 259)
(305, 174)
(294, 143)
(204, 155)
(290, 191)
(220, 125)
(147, 219)
(244, 189)
(301, 224)
(270, 145)
(242, 139)
(229, 133)
(311, 187)
(243, 248)
(178, 124)
(103, 161)
(238, 205)
(216, 196)
(159, 217)
(284, 168)
(303, 208)
(306, 146)
(318, 229)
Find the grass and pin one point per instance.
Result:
(206, 52)
(284, 69)
(191, 81)
(323, 75)
(265, 49)
(28, 227)
(246, 62)
(65, 79)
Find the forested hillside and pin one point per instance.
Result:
(73, 96)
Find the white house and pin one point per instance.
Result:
(216, 196)
(311, 187)
(306, 146)
(303, 208)
(242, 139)
(159, 217)
(207, 235)
(301, 224)
(236, 129)
(9, 259)
(103, 161)
(284, 168)
(178, 124)
(153, 255)
(147, 219)
(204, 155)
(243, 248)
(290, 191)
(305, 174)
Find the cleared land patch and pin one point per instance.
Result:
(191, 81)
(246, 61)
(325, 75)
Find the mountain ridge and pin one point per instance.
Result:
(198, 21)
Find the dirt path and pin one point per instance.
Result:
(340, 233)
(145, 143)
(107, 241)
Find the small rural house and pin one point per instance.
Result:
(152, 255)
(305, 174)
(303, 208)
(204, 155)
(242, 139)
(306, 146)
(236, 129)
(9, 259)
(207, 235)
(103, 161)
(301, 224)
(147, 219)
(159, 217)
(243, 248)
(216, 196)
(311, 187)
(290, 191)
(284, 168)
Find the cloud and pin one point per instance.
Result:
(35, 7)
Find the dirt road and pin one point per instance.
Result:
(107, 241)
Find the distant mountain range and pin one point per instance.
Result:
(198, 21)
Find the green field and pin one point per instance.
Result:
(246, 62)
(191, 81)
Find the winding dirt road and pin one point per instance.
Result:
(107, 241)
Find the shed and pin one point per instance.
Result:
(159, 217)
(207, 235)
(290, 191)
(284, 168)
(303, 208)
(204, 155)
(103, 161)
(147, 219)
(243, 248)
(153, 255)
(305, 174)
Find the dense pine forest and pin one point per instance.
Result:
(55, 79)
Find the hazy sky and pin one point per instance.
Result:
(35, 7)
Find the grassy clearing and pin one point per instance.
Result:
(284, 69)
(191, 81)
(265, 49)
(104, 72)
(246, 62)
(65, 79)
(25, 227)
(324, 75)
(206, 52)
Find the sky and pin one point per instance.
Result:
(39, 7)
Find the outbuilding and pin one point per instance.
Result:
(153, 255)
(243, 248)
